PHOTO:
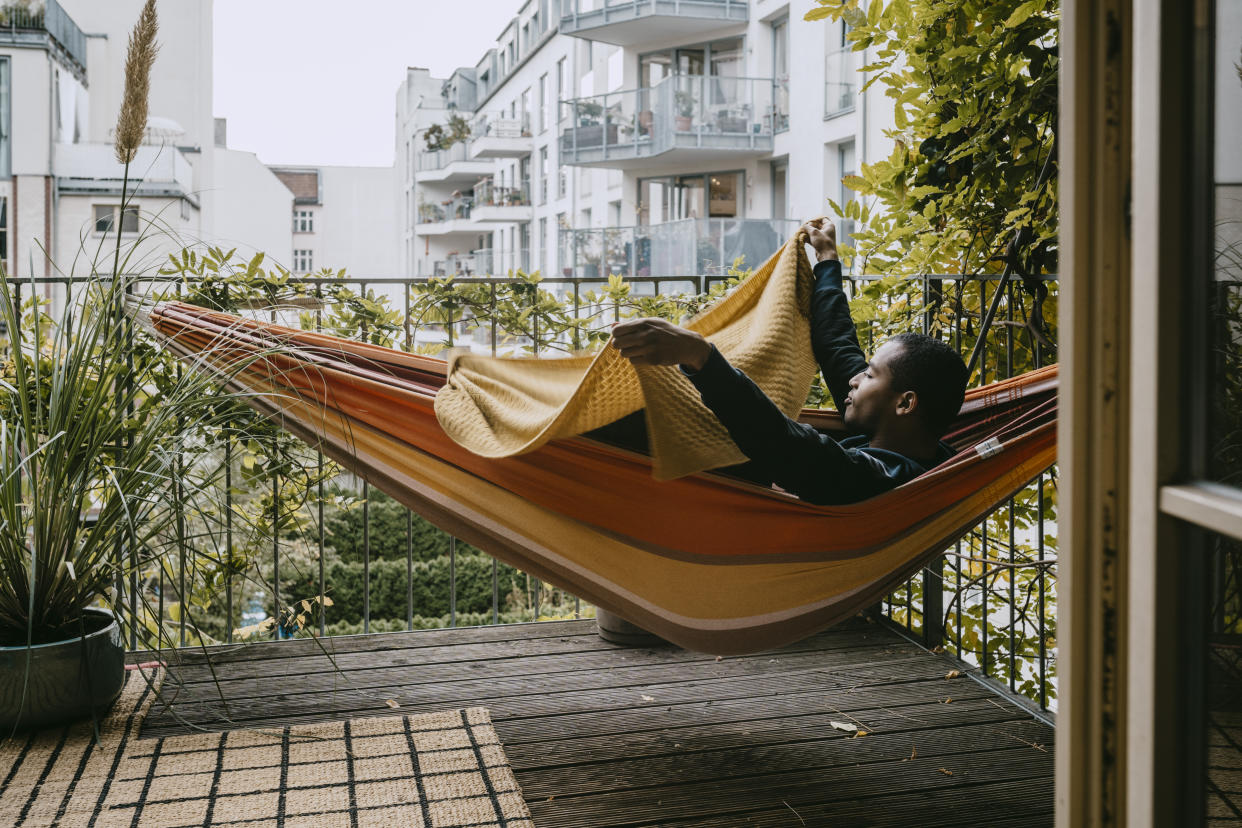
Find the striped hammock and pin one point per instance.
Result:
(706, 561)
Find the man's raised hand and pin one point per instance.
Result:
(822, 234)
(653, 341)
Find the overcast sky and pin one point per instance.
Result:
(314, 82)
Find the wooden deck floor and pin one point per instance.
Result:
(600, 735)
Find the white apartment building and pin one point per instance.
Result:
(343, 218)
(653, 138)
(61, 83)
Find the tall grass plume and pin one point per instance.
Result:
(131, 123)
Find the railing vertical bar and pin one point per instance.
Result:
(275, 539)
(409, 570)
(228, 539)
(1043, 633)
(323, 585)
(986, 598)
(1013, 602)
(452, 581)
(366, 556)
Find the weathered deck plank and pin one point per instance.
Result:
(605, 736)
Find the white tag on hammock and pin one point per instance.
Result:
(990, 447)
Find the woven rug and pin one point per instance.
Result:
(434, 770)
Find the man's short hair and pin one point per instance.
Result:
(933, 371)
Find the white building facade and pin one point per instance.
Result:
(648, 138)
(61, 84)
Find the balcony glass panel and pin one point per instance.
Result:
(681, 111)
(493, 261)
(487, 194)
(439, 159)
(840, 81)
(689, 248)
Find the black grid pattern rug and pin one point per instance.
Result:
(433, 770)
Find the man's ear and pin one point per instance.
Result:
(907, 403)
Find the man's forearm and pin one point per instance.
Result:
(833, 336)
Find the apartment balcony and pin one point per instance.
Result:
(47, 26)
(684, 119)
(634, 22)
(495, 135)
(501, 205)
(841, 81)
(450, 166)
(93, 168)
(674, 249)
(904, 717)
(446, 218)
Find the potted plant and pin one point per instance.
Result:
(93, 441)
(684, 103)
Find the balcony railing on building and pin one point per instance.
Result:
(94, 168)
(986, 601)
(16, 21)
(631, 22)
(685, 248)
(455, 208)
(840, 81)
(682, 118)
(500, 135)
(501, 262)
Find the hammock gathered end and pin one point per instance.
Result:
(707, 562)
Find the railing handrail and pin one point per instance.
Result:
(639, 89)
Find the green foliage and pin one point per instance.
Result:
(91, 432)
(443, 136)
(386, 522)
(974, 91)
(969, 188)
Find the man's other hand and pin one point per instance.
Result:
(655, 341)
(823, 237)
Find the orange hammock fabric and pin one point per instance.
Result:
(708, 562)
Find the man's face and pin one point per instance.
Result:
(872, 399)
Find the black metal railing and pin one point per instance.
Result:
(989, 600)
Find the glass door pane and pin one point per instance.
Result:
(724, 195)
(654, 68)
(1224, 449)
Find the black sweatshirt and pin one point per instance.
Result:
(795, 456)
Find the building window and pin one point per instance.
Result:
(105, 218)
(303, 221)
(6, 168)
(560, 90)
(543, 175)
(543, 103)
(303, 261)
(715, 195)
(780, 75)
(542, 263)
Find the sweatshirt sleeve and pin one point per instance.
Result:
(793, 455)
(833, 337)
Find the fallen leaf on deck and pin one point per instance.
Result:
(648, 698)
(391, 703)
(860, 733)
(914, 751)
(846, 726)
(952, 674)
(948, 700)
(946, 771)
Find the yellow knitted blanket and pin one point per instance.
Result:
(503, 406)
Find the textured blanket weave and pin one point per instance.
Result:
(504, 406)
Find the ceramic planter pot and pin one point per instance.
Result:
(68, 680)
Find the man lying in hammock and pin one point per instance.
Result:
(900, 404)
